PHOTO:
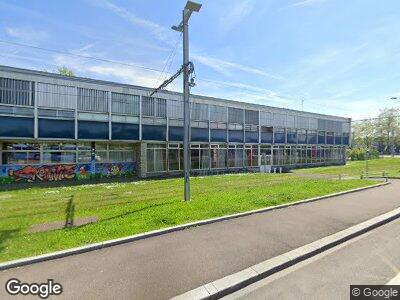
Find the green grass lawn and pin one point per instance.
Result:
(128, 208)
(354, 168)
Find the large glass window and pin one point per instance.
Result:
(251, 159)
(156, 158)
(218, 156)
(16, 92)
(58, 153)
(125, 104)
(119, 152)
(21, 153)
(175, 157)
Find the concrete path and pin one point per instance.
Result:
(373, 258)
(165, 266)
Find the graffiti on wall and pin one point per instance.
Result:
(37, 173)
(44, 173)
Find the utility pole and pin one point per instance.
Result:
(187, 69)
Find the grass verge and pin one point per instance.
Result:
(129, 208)
(355, 168)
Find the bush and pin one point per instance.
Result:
(361, 154)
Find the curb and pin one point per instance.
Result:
(140, 236)
(236, 281)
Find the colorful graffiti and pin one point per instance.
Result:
(44, 173)
(35, 173)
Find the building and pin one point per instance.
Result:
(54, 127)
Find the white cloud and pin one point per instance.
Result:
(26, 34)
(238, 12)
(156, 29)
(304, 3)
(226, 67)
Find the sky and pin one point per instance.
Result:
(335, 57)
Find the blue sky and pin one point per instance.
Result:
(341, 57)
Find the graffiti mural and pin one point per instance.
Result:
(44, 173)
(36, 173)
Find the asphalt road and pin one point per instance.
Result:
(373, 258)
(168, 265)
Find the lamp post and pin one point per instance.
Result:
(187, 69)
(392, 132)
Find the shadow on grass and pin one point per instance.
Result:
(69, 213)
(6, 235)
(138, 210)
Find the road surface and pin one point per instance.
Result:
(373, 258)
(168, 265)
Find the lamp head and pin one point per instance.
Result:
(192, 6)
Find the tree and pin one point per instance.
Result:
(388, 128)
(65, 71)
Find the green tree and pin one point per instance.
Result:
(65, 71)
(388, 128)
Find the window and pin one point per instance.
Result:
(125, 104)
(92, 100)
(199, 112)
(154, 107)
(218, 156)
(235, 156)
(58, 153)
(56, 96)
(16, 92)
(156, 158)
(251, 117)
(175, 109)
(175, 157)
(21, 153)
(266, 118)
(218, 113)
(121, 152)
(235, 115)
(251, 156)
(84, 152)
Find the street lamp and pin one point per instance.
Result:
(187, 69)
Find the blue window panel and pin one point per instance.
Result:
(175, 133)
(312, 138)
(218, 135)
(267, 137)
(279, 138)
(154, 132)
(338, 140)
(251, 137)
(57, 129)
(292, 138)
(236, 136)
(125, 131)
(321, 139)
(302, 138)
(92, 130)
(199, 134)
(16, 127)
(345, 140)
(330, 140)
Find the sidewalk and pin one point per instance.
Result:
(165, 266)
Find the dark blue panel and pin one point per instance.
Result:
(292, 138)
(321, 139)
(302, 138)
(279, 138)
(125, 131)
(92, 130)
(330, 140)
(267, 137)
(251, 137)
(312, 138)
(154, 132)
(199, 134)
(338, 140)
(236, 136)
(345, 140)
(218, 135)
(175, 133)
(57, 129)
(16, 127)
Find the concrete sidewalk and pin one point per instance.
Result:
(168, 265)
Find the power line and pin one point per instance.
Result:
(80, 56)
